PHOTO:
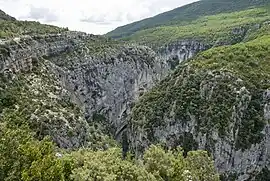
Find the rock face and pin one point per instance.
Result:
(18, 54)
(211, 103)
(179, 51)
(105, 86)
(229, 159)
(41, 99)
(188, 133)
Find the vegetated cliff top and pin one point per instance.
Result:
(10, 27)
(4, 16)
(187, 13)
(225, 28)
(27, 30)
(206, 89)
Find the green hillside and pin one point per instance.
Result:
(226, 28)
(183, 15)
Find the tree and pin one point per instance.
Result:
(107, 166)
(25, 158)
(172, 166)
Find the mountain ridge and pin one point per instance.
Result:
(185, 14)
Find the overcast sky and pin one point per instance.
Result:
(92, 16)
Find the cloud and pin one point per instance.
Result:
(98, 19)
(41, 14)
(92, 16)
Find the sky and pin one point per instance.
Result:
(91, 16)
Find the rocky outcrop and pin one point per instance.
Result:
(179, 51)
(38, 96)
(188, 131)
(106, 87)
(231, 161)
(18, 54)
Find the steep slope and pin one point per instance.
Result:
(31, 94)
(107, 81)
(183, 15)
(219, 101)
(82, 90)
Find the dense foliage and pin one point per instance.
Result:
(183, 15)
(25, 158)
(157, 164)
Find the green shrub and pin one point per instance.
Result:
(107, 166)
(173, 166)
(24, 158)
(157, 165)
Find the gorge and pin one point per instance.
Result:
(201, 83)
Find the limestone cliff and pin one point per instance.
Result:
(179, 51)
(183, 49)
(217, 102)
(107, 85)
(103, 81)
